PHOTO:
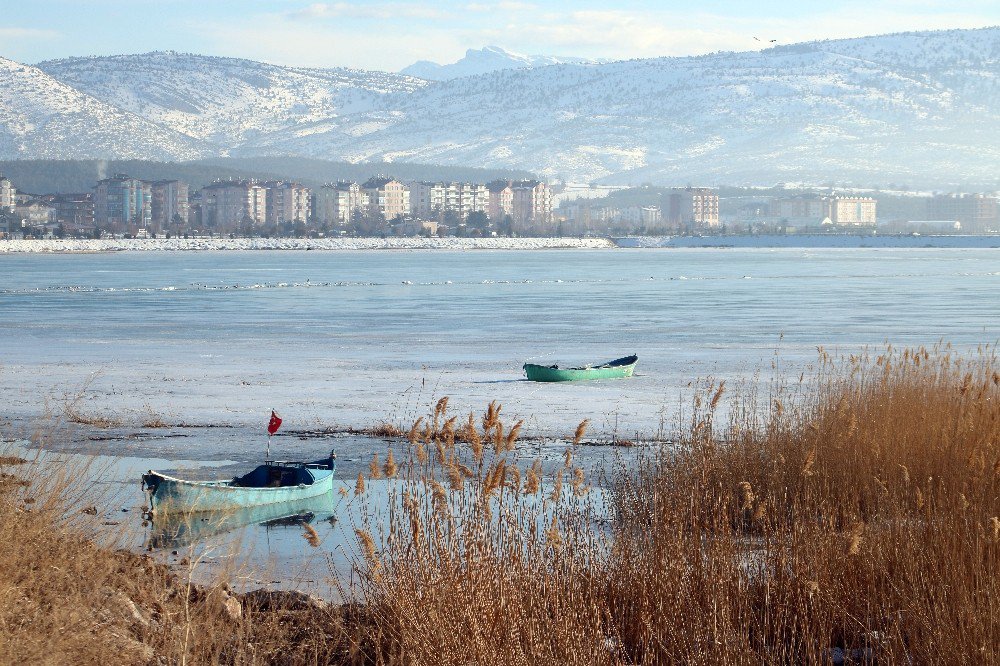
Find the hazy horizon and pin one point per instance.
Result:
(389, 36)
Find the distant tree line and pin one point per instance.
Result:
(63, 176)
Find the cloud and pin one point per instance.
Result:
(27, 33)
(286, 41)
(392, 34)
(495, 7)
(381, 11)
(621, 34)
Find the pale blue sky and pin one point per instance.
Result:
(391, 34)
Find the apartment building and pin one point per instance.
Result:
(387, 196)
(432, 200)
(7, 192)
(977, 213)
(853, 211)
(170, 204)
(36, 213)
(287, 202)
(650, 216)
(531, 202)
(693, 207)
(336, 203)
(803, 208)
(501, 200)
(228, 204)
(812, 210)
(74, 211)
(122, 204)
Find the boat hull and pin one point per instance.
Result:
(170, 495)
(614, 370)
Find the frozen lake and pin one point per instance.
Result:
(184, 355)
(351, 339)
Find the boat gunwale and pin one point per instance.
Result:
(226, 485)
(619, 368)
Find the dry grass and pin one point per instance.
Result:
(152, 420)
(386, 430)
(852, 517)
(66, 599)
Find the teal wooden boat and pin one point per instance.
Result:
(270, 483)
(620, 367)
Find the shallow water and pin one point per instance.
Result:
(168, 347)
(266, 546)
(352, 338)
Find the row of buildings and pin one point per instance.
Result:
(696, 209)
(681, 209)
(384, 205)
(966, 213)
(126, 205)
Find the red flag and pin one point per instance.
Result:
(274, 423)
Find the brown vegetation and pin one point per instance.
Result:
(853, 515)
(385, 430)
(64, 599)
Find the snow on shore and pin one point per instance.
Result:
(188, 244)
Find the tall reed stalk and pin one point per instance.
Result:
(852, 515)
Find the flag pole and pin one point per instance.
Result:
(267, 451)
(272, 427)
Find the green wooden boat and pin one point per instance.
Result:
(270, 483)
(620, 367)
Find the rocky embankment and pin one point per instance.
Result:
(341, 244)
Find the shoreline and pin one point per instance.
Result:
(94, 246)
(364, 244)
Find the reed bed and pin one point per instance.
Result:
(850, 517)
(68, 595)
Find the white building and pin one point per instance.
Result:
(7, 192)
(432, 200)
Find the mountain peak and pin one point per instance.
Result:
(488, 59)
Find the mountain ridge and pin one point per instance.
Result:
(921, 107)
(485, 60)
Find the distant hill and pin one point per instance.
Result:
(42, 117)
(483, 61)
(921, 108)
(63, 176)
(224, 102)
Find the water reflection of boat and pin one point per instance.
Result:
(270, 483)
(173, 530)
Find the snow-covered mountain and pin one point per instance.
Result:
(43, 118)
(225, 101)
(919, 107)
(483, 61)
(914, 107)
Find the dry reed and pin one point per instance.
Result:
(852, 517)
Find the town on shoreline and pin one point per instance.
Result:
(123, 207)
